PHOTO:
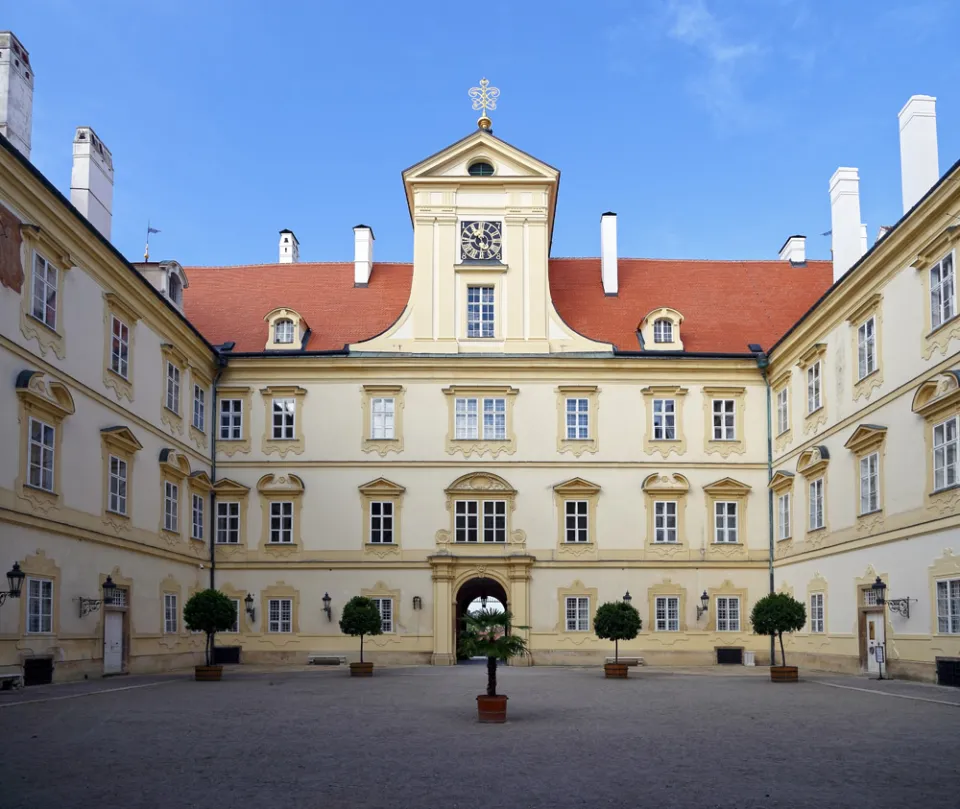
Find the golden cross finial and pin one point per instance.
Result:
(484, 98)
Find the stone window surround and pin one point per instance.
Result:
(280, 488)
(725, 447)
(729, 590)
(121, 443)
(481, 486)
(381, 490)
(39, 566)
(812, 465)
(174, 356)
(933, 340)
(945, 567)
(229, 446)
(668, 487)
(116, 307)
(480, 446)
(201, 379)
(935, 401)
(280, 590)
(175, 469)
(300, 329)
(646, 329)
(667, 588)
(380, 590)
(576, 489)
(815, 418)
(817, 585)
(199, 483)
(282, 446)
(664, 446)
(782, 381)
(382, 446)
(868, 439)
(576, 589)
(782, 483)
(726, 490)
(578, 446)
(872, 307)
(38, 241)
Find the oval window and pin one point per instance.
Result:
(481, 169)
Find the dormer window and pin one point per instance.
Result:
(175, 289)
(283, 331)
(286, 330)
(663, 331)
(480, 169)
(660, 330)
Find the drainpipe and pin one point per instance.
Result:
(214, 429)
(762, 363)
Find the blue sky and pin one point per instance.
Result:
(711, 126)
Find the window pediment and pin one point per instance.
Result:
(122, 438)
(866, 437)
(383, 487)
(811, 355)
(813, 462)
(174, 462)
(781, 480)
(666, 484)
(279, 484)
(937, 394)
(727, 487)
(45, 394)
(480, 483)
(230, 488)
(937, 248)
(575, 487)
(200, 480)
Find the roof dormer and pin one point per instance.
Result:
(286, 330)
(168, 277)
(660, 330)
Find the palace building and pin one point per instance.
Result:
(486, 420)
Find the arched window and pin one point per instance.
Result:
(480, 169)
(283, 331)
(175, 288)
(663, 331)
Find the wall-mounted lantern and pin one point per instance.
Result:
(417, 603)
(88, 605)
(326, 606)
(627, 597)
(705, 602)
(251, 610)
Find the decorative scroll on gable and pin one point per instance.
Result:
(937, 395)
(812, 462)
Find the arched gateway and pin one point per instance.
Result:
(488, 590)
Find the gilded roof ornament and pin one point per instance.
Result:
(484, 99)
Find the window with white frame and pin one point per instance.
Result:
(814, 394)
(662, 331)
(283, 419)
(45, 279)
(236, 616)
(281, 521)
(816, 612)
(228, 522)
(783, 516)
(280, 615)
(724, 420)
(466, 520)
(945, 449)
(576, 521)
(117, 495)
(943, 292)
(816, 504)
(495, 419)
(173, 388)
(39, 606)
(466, 427)
(196, 523)
(199, 408)
(870, 483)
(578, 419)
(667, 613)
(665, 521)
(578, 613)
(381, 522)
(783, 410)
(481, 317)
(385, 605)
(231, 419)
(728, 613)
(41, 460)
(867, 348)
(119, 347)
(382, 418)
(725, 521)
(664, 420)
(948, 606)
(283, 331)
(171, 618)
(467, 423)
(171, 506)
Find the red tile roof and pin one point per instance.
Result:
(725, 304)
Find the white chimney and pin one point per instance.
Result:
(16, 93)
(608, 253)
(845, 220)
(362, 255)
(919, 163)
(289, 247)
(794, 250)
(91, 181)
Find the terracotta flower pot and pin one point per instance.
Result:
(361, 669)
(492, 709)
(615, 670)
(784, 674)
(208, 673)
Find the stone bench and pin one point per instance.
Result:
(629, 661)
(326, 660)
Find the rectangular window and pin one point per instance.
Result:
(870, 483)
(41, 460)
(814, 397)
(725, 522)
(228, 523)
(816, 612)
(667, 610)
(283, 417)
(171, 507)
(381, 522)
(117, 501)
(943, 292)
(578, 614)
(381, 418)
(44, 306)
(466, 427)
(783, 516)
(494, 419)
(576, 514)
(665, 521)
(231, 419)
(724, 420)
(783, 410)
(173, 387)
(494, 520)
(948, 606)
(170, 616)
(385, 605)
(236, 616)
(867, 348)
(945, 449)
(467, 424)
(578, 419)
(480, 312)
(119, 347)
(199, 408)
(728, 614)
(816, 504)
(196, 523)
(280, 615)
(466, 520)
(39, 606)
(281, 522)
(664, 420)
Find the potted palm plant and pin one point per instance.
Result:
(487, 634)
(616, 621)
(209, 611)
(361, 617)
(773, 615)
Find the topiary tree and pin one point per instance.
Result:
(617, 621)
(777, 613)
(209, 611)
(487, 634)
(361, 617)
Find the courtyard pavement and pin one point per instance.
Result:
(408, 737)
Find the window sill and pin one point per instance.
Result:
(665, 440)
(814, 530)
(230, 440)
(219, 544)
(119, 514)
(668, 542)
(197, 539)
(171, 532)
(870, 513)
(930, 333)
(814, 411)
(469, 542)
(865, 377)
(118, 375)
(722, 544)
(390, 440)
(785, 539)
(393, 544)
(52, 493)
(171, 410)
(566, 544)
(952, 488)
(724, 440)
(52, 329)
(200, 430)
(280, 544)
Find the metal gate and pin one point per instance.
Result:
(948, 671)
(226, 655)
(38, 671)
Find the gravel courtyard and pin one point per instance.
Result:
(409, 738)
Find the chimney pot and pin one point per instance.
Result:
(16, 93)
(794, 250)
(362, 255)
(91, 181)
(919, 161)
(608, 253)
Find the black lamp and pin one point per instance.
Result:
(705, 602)
(880, 589)
(417, 603)
(483, 601)
(248, 603)
(627, 597)
(15, 578)
(326, 606)
(109, 588)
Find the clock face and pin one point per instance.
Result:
(480, 241)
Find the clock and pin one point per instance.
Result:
(480, 241)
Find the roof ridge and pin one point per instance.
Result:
(278, 264)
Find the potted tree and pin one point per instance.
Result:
(487, 634)
(616, 621)
(773, 615)
(209, 611)
(361, 617)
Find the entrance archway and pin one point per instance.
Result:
(479, 588)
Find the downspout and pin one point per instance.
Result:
(762, 363)
(214, 430)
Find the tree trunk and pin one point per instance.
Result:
(783, 654)
(616, 650)
(208, 652)
(361, 648)
(491, 676)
